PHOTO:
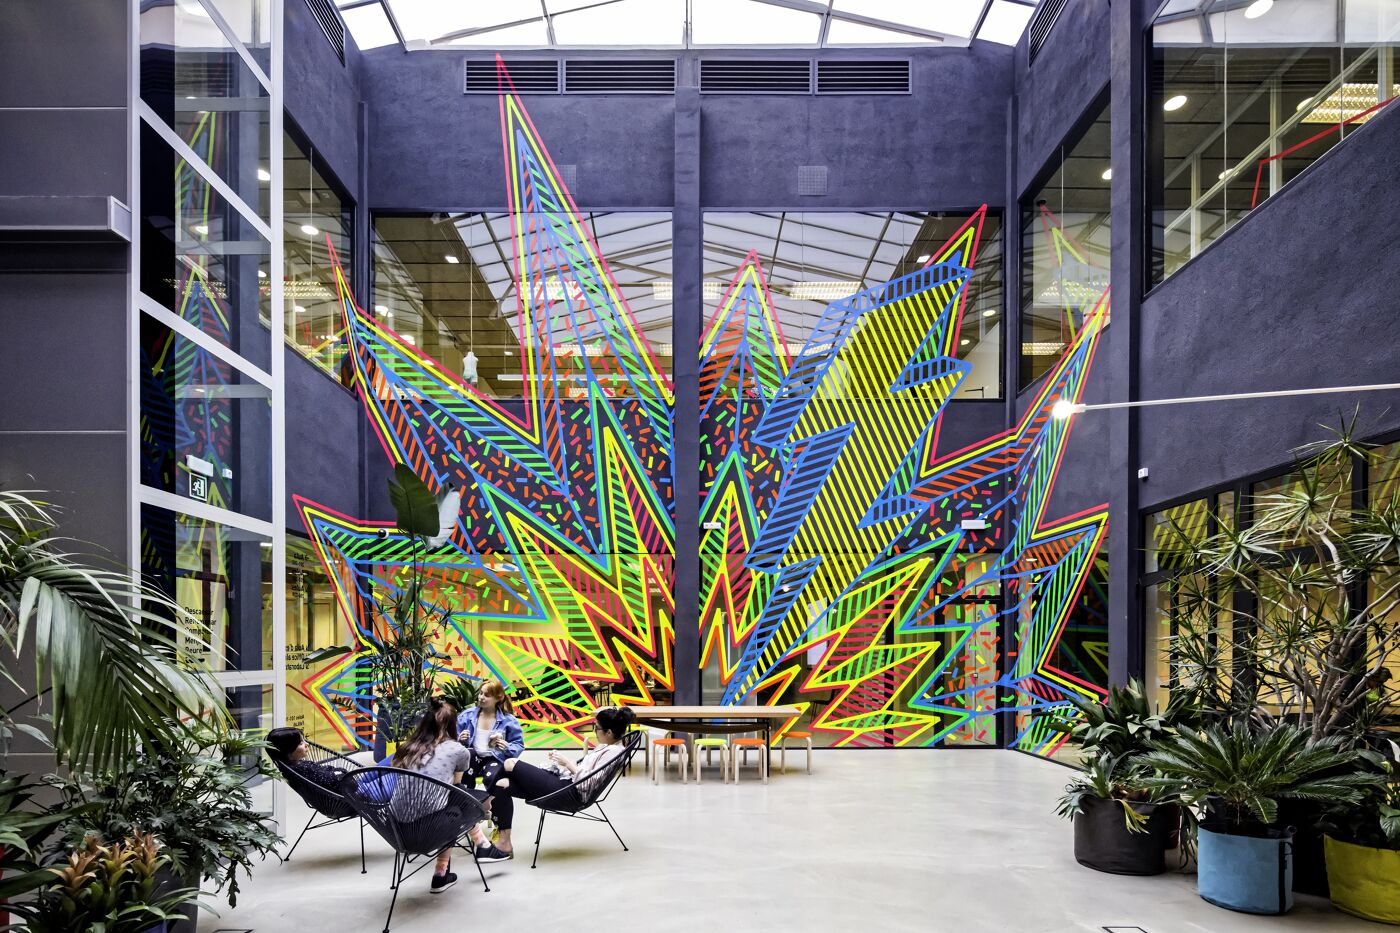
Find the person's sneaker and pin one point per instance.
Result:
(442, 882)
(489, 853)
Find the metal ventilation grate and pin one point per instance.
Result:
(755, 76)
(1042, 21)
(868, 77)
(529, 77)
(331, 25)
(811, 180)
(624, 76)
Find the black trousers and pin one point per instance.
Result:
(528, 782)
(502, 807)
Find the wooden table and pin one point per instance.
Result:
(716, 720)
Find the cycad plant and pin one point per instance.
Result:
(1240, 774)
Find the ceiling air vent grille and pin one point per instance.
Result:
(755, 76)
(331, 25)
(870, 77)
(529, 77)
(622, 76)
(1042, 21)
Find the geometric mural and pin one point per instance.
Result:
(897, 593)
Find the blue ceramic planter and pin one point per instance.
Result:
(1247, 873)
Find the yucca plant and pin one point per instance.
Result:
(1240, 774)
(116, 661)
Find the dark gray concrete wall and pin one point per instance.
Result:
(1070, 72)
(325, 425)
(1301, 294)
(321, 94)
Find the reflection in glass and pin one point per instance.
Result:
(314, 213)
(1064, 249)
(221, 575)
(200, 257)
(811, 259)
(447, 285)
(1241, 104)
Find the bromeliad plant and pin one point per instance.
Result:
(112, 889)
(1239, 775)
(1116, 779)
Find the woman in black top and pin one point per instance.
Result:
(291, 746)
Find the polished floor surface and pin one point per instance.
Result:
(929, 841)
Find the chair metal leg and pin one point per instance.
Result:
(304, 831)
(363, 869)
(398, 860)
(398, 879)
(479, 870)
(613, 828)
(538, 833)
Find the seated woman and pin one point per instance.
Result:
(431, 751)
(291, 746)
(527, 782)
(491, 730)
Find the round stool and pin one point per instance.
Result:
(709, 745)
(661, 757)
(782, 749)
(745, 744)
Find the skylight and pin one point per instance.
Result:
(673, 24)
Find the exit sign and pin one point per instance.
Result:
(199, 487)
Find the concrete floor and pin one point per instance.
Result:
(928, 841)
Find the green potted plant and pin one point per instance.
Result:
(110, 888)
(1363, 849)
(193, 794)
(1120, 823)
(1293, 614)
(1236, 777)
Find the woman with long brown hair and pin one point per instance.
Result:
(492, 732)
(433, 752)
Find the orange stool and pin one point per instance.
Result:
(661, 757)
(745, 744)
(782, 749)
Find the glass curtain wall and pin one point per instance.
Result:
(208, 499)
(1064, 248)
(1244, 97)
(317, 217)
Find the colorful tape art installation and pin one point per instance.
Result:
(897, 593)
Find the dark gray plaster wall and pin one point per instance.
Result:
(939, 147)
(1301, 294)
(1070, 72)
(325, 426)
(321, 94)
(434, 148)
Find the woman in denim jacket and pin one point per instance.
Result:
(491, 730)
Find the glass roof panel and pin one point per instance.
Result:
(646, 23)
(533, 35)
(1372, 20)
(662, 23)
(843, 32)
(1005, 22)
(432, 19)
(953, 17)
(746, 22)
(369, 26)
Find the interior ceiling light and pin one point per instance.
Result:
(309, 230)
(664, 289)
(1043, 348)
(264, 175)
(822, 291)
(262, 274)
(990, 312)
(1349, 102)
(1107, 174)
(1258, 8)
(925, 257)
(452, 259)
(1175, 102)
(298, 309)
(381, 309)
(965, 341)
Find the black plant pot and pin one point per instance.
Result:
(1309, 857)
(168, 881)
(1103, 842)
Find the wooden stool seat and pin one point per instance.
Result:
(660, 762)
(796, 737)
(745, 744)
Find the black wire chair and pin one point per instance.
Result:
(587, 793)
(417, 815)
(325, 802)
